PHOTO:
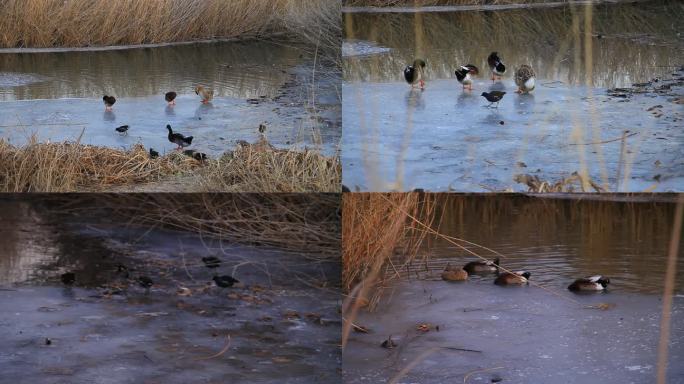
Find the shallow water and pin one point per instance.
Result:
(530, 334)
(56, 95)
(445, 138)
(108, 329)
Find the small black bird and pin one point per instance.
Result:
(262, 128)
(199, 156)
(68, 278)
(122, 270)
(145, 282)
(170, 98)
(225, 281)
(178, 139)
(211, 262)
(495, 65)
(153, 154)
(493, 97)
(414, 73)
(122, 129)
(109, 102)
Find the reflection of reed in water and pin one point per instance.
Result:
(637, 42)
(231, 69)
(25, 243)
(628, 239)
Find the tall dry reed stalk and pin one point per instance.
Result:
(85, 23)
(374, 225)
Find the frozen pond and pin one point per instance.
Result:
(444, 138)
(275, 327)
(57, 95)
(530, 334)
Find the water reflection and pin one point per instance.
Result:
(234, 69)
(414, 99)
(560, 240)
(627, 43)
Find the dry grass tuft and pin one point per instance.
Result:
(71, 166)
(85, 23)
(374, 225)
(573, 183)
(262, 168)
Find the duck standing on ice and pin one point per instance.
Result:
(414, 73)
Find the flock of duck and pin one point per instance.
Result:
(144, 281)
(179, 139)
(524, 76)
(591, 283)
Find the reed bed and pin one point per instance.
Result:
(262, 168)
(71, 166)
(428, 3)
(86, 23)
(307, 224)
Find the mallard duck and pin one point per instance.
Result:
(122, 129)
(482, 266)
(199, 156)
(414, 73)
(493, 97)
(109, 102)
(206, 94)
(170, 98)
(496, 65)
(211, 262)
(524, 79)
(153, 154)
(516, 278)
(68, 278)
(178, 139)
(463, 75)
(225, 281)
(454, 274)
(591, 283)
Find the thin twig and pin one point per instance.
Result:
(221, 352)
(465, 378)
(607, 141)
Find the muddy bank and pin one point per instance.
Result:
(280, 323)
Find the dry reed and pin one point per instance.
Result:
(71, 166)
(85, 23)
(307, 224)
(262, 168)
(427, 3)
(374, 225)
